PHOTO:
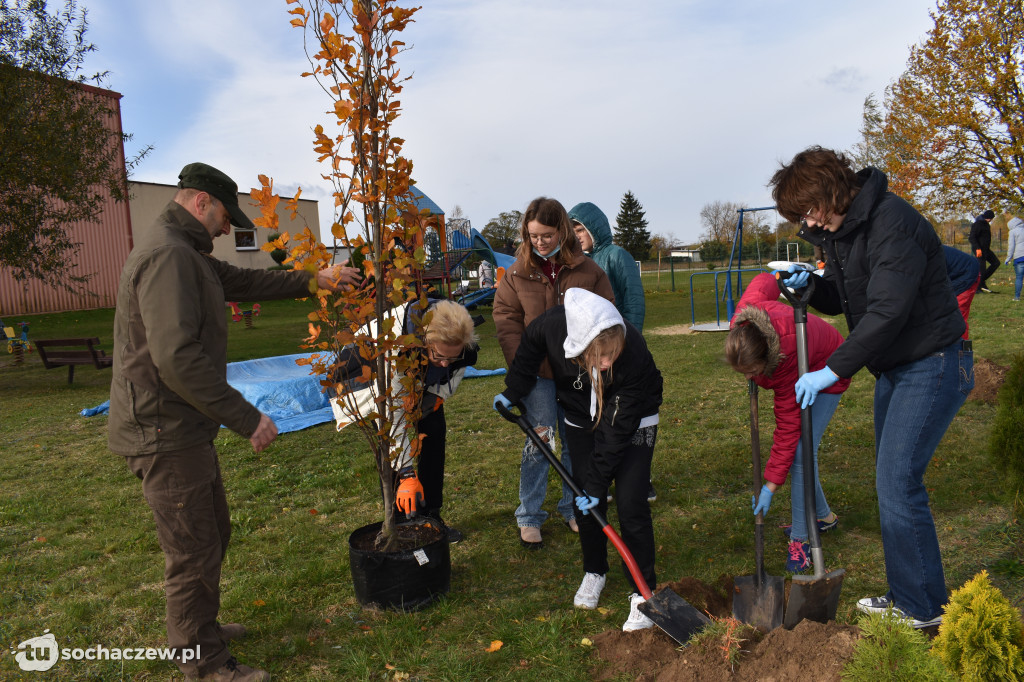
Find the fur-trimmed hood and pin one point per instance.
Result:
(760, 319)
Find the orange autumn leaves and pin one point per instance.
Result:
(352, 49)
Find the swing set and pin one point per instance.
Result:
(734, 272)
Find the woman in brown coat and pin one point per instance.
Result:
(549, 262)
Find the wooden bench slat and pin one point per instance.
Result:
(68, 353)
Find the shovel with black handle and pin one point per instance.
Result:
(814, 597)
(670, 612)
(758, 599)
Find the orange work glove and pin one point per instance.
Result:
(410, 492)
(977, 252)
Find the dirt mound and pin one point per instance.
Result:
(810, 651)
(673, 330)
(988, 377)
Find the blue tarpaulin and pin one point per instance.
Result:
(283, 390)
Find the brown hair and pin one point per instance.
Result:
(816, 179)
(551, 213)
(746, 348)
(451, 325)
(609, 341)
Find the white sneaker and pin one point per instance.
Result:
(636, 620)
(874, 604)
(885, 606)
(589, 592)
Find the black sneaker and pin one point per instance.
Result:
(823, 526)
(985, 289)
(652, 494)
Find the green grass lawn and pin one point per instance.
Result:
(79, 555)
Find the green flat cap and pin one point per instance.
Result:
(208, 179)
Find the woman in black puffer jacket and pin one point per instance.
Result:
(886, 271)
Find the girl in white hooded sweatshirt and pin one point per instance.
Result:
(610, 391)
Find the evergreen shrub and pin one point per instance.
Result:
(981, 637)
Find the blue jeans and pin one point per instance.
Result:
(821, 413)
(914, 405)
(1019, 269)
(542, 410)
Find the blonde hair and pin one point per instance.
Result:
(609, 341)
(451, 325)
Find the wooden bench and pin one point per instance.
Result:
(71, 352)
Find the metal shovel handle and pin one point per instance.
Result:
(806, 423)
(798, 301)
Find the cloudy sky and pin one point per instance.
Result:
(683, 102)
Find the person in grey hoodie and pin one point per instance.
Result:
(595, 235)
(1015, 253)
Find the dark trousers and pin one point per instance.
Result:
(185, 491)
(430, 467)
(993, 263)
(632, 479)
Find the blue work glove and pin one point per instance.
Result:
(585, 503)
(809, 385)
(762, 503)
(500, 399)
(795, 277)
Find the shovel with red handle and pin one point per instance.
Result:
(670, 612)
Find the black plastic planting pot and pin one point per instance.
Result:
(406, 580)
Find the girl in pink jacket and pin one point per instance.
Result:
(762, 346)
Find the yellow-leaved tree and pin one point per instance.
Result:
(953, 133)
(359, 336)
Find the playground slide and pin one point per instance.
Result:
(477, 297)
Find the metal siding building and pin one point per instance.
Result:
(104, 246)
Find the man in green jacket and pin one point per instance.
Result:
(169, 395)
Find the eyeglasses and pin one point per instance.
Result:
(544, 238)
(434, 357)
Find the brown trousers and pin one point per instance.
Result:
(185, 491)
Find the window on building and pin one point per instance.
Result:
(245, 240)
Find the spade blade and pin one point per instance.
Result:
(759, 605)
(813, 598)
(674, 615)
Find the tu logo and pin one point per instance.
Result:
(39, 653)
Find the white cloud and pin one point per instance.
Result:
(683, 103)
